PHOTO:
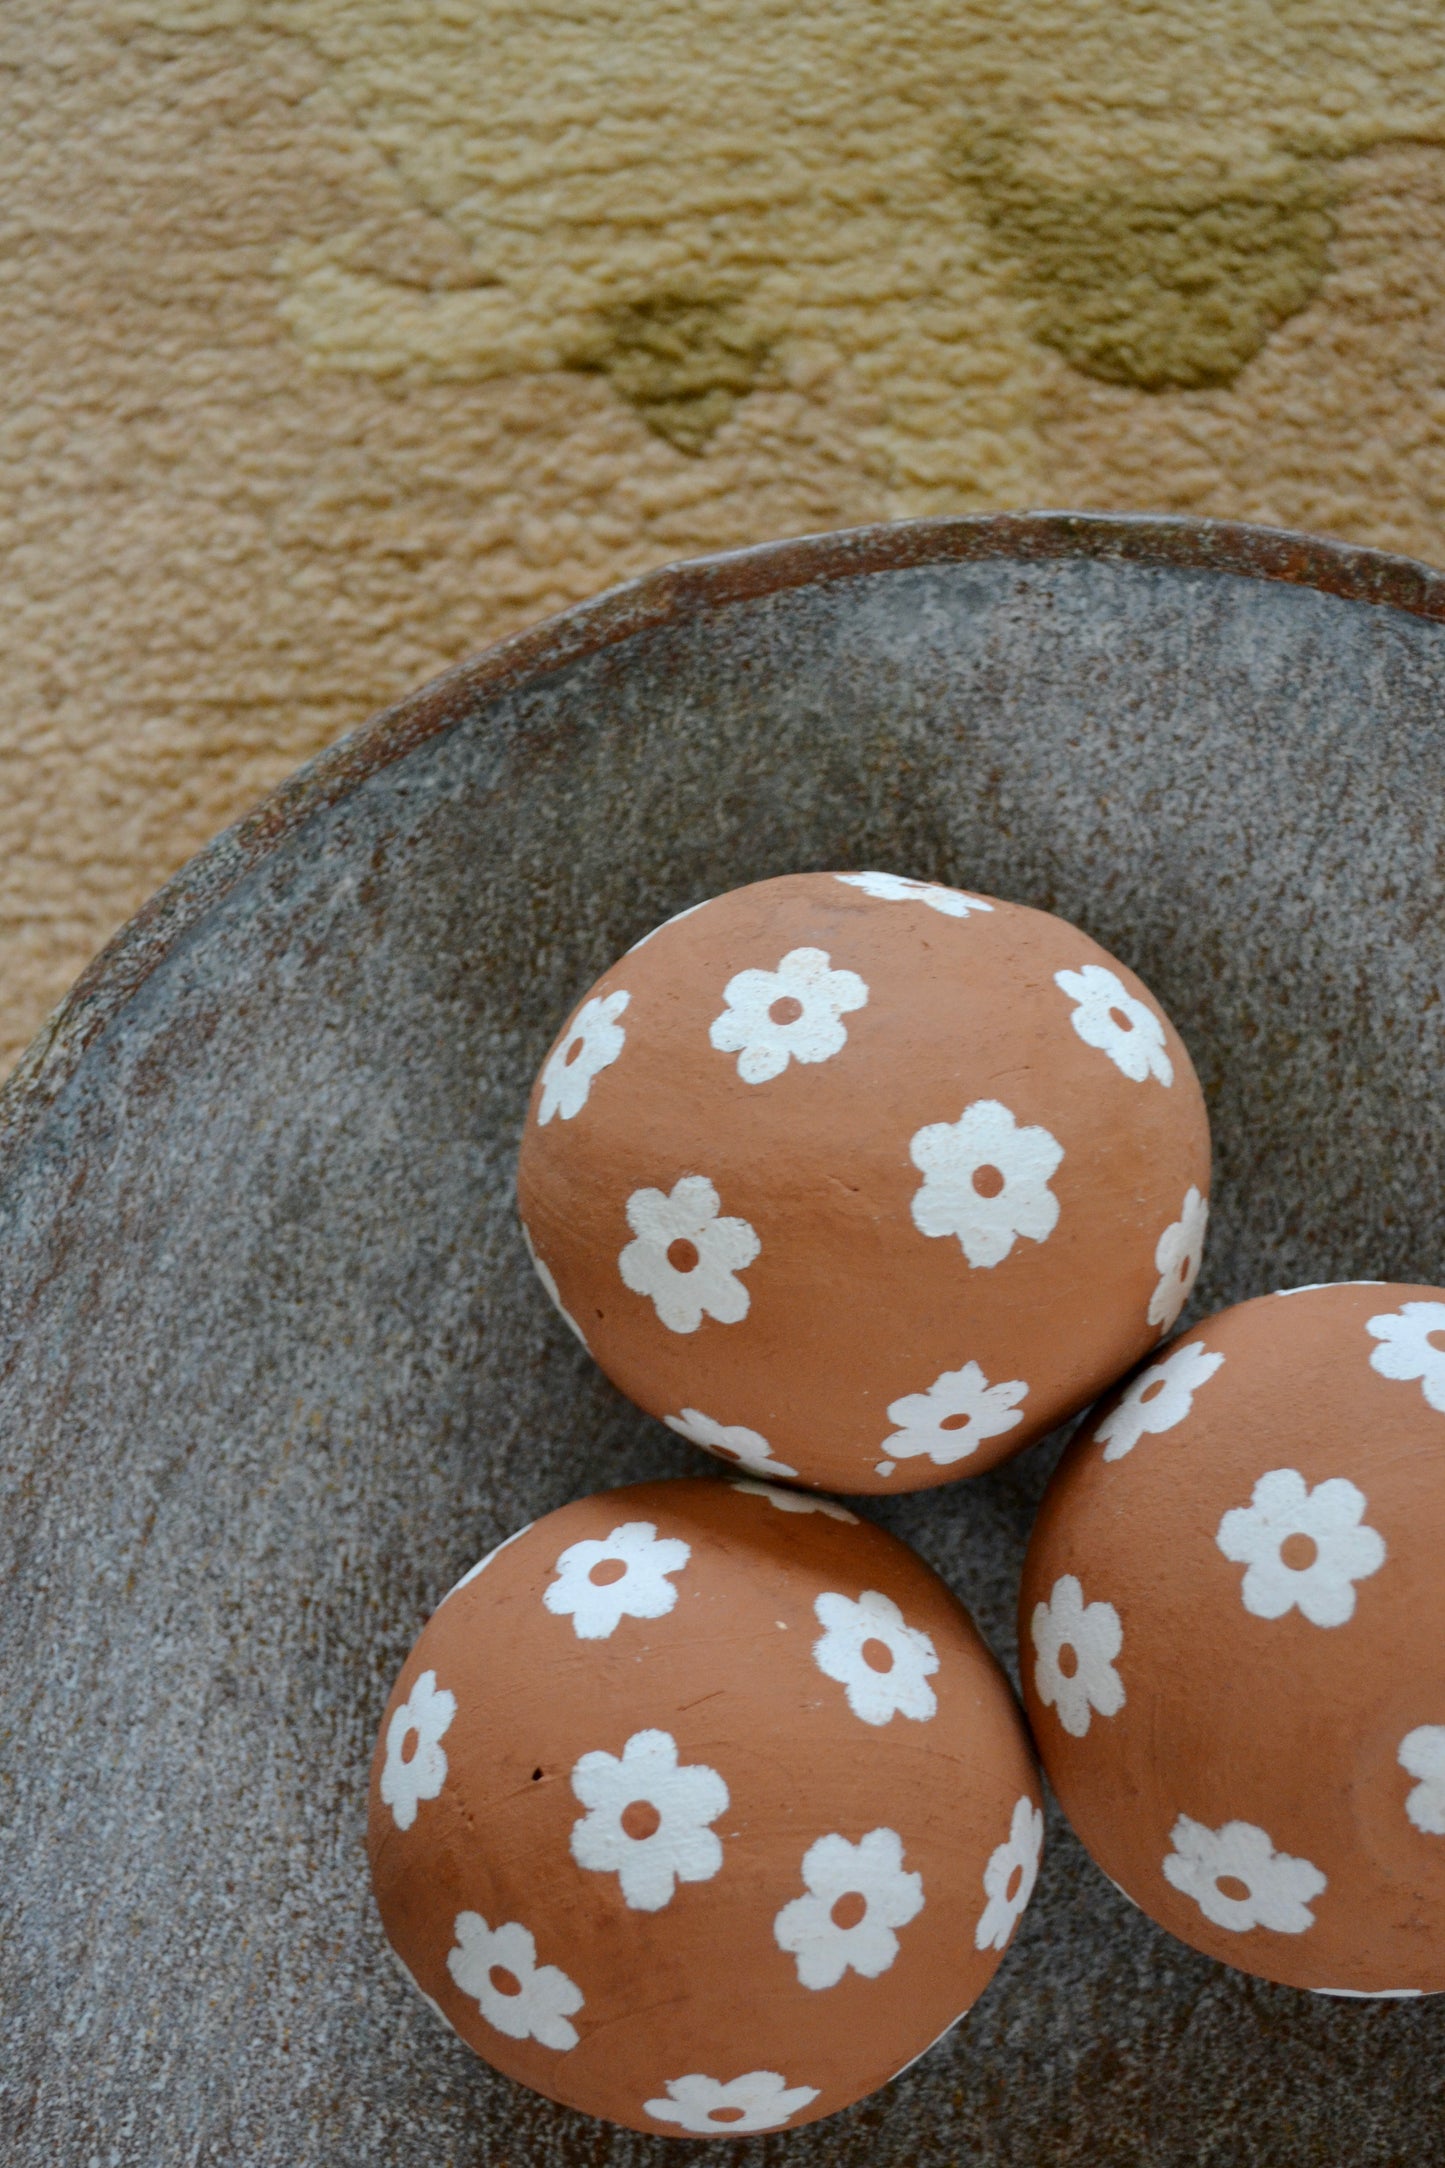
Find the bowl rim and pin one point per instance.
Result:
(666, 595)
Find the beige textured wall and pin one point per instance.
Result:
(339, 336)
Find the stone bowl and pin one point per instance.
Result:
(274, 1368)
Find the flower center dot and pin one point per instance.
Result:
(1229, 1885)
(504, 1982)
(955, 1422)
(849, 1909)
(1299, 1552)
(1068, 1659)
(606, 1571)
(410, 1742)
(785, 1010)
(1119, 1020)
(726, 2115)
(988, 1181)
(1013, 1885)
(877, 1655)
(682, 1255)
(572, 1053)
(640, 1820)
(1436, 1340)
(1152, 1392)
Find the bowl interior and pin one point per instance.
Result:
(274, 1368)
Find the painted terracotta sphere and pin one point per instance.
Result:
(1233, 1632)
(864, 1182)
(701, 1806)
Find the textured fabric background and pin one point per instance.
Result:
(340, 336)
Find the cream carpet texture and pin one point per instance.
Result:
(340, 336)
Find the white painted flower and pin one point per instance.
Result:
(882, 1664)
(647, 1819)
(857, 1895)
(1177, 1258)
(1093, 1637)
(1412, 1345)
(897, 888)
(1315, 1287)
(416, 1987)
(792, 1014)
(1121, 1889)
(1238, 1879)
(592, 1042)
(498, 1968)
(953, 1418)
(603, 1580)
(1159, 1397)
(986, 1181)
(545, 1275)
(1422, 1755)
(1009, 1877)
(1107, 1016)
(936, 2041)
(675, 920)
(416, 1763)
(483, 1563)
(686, 1259)
(761, 2100)
(734, 1441)
(1301, 1547)
(795, 1501)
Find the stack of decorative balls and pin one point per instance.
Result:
(701, 1805)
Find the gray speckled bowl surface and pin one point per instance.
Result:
(274, 1369)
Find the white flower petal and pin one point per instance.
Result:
(896, 888)
(648, 1819)
(591, 1043)
(1095, 1636)
(545, 1275)
(1107, 1016)
(730, 1441)
(1325, 1531)
(482, 1563)
(416, 1764)
(882, 1663)
(601, 1581)
(759, 2100)
(1422, 1755)
(1015, 1165)
(675, 920)
(1158, 1399)
(814, 999)
(1412, 1348)
(524, 2000)
(702, 1282)
(1278, 1889)
(1010, 1876)
(1177, 1258)
(793, 1501)
(1315, 1287)
(959, 1412)
(880, 1895)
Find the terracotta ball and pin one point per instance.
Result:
(701, 1806)
(1232, 1633)
(864, 1182)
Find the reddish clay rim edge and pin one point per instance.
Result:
(666, 596)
